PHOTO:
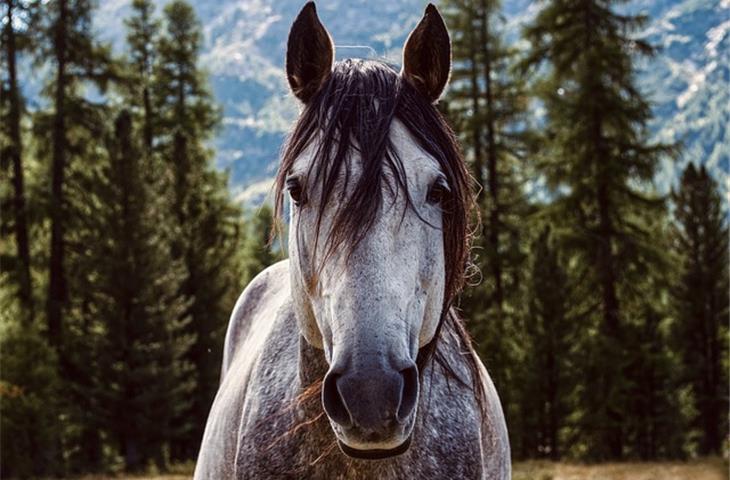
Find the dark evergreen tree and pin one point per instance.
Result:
(487, 104)
(76, 58)
(598, 162)
(143, 383)
(550, 333)
(258, 252)
(19, 20)
(142, 36)
(701, 296)
(29, 390)
(656, 427)
(79, 353)
(210, 224)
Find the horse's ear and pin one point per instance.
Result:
(427, 55)
(309, 54)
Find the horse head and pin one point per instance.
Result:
(378, 240)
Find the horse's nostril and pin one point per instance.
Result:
(409, 394)
(332, 401)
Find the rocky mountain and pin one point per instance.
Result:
(688, 81)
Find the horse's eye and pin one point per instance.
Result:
(295, 191)
(438, 192)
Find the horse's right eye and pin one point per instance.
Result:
(295, 191)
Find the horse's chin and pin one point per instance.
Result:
(375, 453)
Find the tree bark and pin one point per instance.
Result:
(475, 130)
(493, 176)
(57, 280)
(16, 153)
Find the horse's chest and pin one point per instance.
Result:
(290, 449)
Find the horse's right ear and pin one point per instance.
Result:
(309, 54)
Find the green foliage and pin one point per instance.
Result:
(143, 30)
(209, 239)
(487, 105)
(145, 249)
(701, 302)
(29, 388)
(599, 164)
(258, 252)
(550, 333)
(143, 382)
(19, 22)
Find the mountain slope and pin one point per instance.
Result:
(688, 81)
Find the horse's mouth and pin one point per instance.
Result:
(375, 454)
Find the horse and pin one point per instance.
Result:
(348, 360)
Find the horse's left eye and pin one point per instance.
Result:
(437, 192)
(295, 191)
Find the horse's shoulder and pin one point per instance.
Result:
(495, 448)
(259, 301)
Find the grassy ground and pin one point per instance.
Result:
(705, 469)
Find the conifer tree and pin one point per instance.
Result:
(550, 332)
(210, 224)
(258, 253)
(656, 427)
(29, 388)
(598, 161)
(143, 381)
(142, 36)
(486, 103)
(76, 58)
(701, 295)
(19, 21)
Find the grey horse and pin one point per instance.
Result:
(347, 361)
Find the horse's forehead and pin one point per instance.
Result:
(408, 148)
(418, 164)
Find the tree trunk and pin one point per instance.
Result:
(611, 327)
(493, 181)
(475, 130)
(147, 120)
(16, 154)
(605, 262)
(57, 280)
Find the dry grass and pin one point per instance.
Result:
(705, 469)
(144, 477)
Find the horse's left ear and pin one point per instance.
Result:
(427, 55)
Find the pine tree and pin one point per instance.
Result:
(143, 381)
(19, 21)
(700, 330)
(600, 166)
(258, 253)
(29, 389)
(142, 36)
(210, 224)
(486, 102)
(550, 334)
(77, 58)
(656, 427)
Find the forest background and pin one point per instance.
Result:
(601, 310)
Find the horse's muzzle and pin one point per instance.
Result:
(372, 408)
